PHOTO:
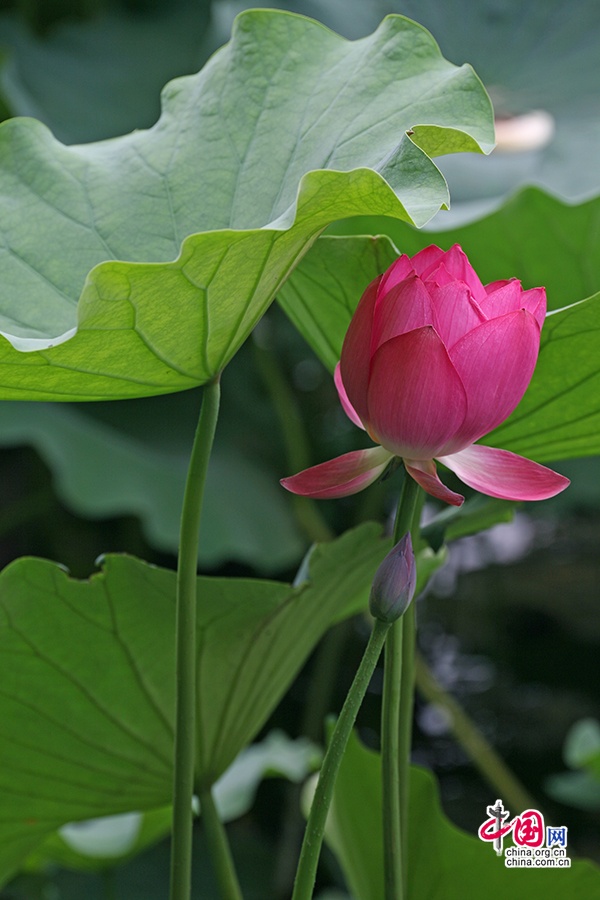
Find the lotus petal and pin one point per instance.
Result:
(495, 362)
(500, 473)
(347, 406)
(340, 477)
(425, 474)
(416, 400)
(355, 362)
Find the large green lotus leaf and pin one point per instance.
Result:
(87, 668)
(286, 129)
(119, 465)
(559, 416)
(443, 860)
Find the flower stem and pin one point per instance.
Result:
(185, 627)
(407, 688)
(396, 720)
(313, 836)
(229, 888)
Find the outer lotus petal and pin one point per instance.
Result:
(340, 477)
(425, 473)
(399, 270)
(502, 474)
(355, 363)
(348, 408)
(455, 311)
(405, 307)
(416, 398)
(496, 362)
(534, 300)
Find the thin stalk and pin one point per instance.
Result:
(390, 756)
(318, 700)
(490, 764)
(396, 718)
(218, 846)
(315, 827)
(407, 691)
(183, 776)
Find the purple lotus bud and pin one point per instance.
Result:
(394, 583)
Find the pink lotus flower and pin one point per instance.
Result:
(431, 362)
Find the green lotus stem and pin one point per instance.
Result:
(185, 627)
(315, 827)
(490, 764)
(407, 689)
(396, 721)
(218, 846)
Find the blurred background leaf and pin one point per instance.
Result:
(130, 459)
(579, 788)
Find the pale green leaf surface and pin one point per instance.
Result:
(277, 756)
(443, 861)
(96, 844)
(581, 751)
(533, 237)
(86, 678)
(582, 744)
(286, 129)
(577, 789)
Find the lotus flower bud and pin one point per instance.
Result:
(432, 361)
(394, 583)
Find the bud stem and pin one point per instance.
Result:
(396, 718)
(315, 828)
